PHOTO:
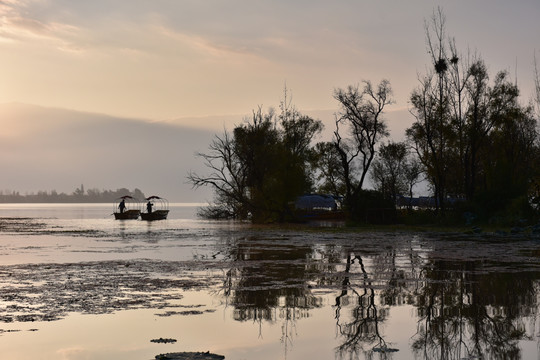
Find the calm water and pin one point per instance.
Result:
(76, 284)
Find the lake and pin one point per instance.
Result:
(77, 284)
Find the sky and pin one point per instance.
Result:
(50, 149)
(207, 63)
(173, 59)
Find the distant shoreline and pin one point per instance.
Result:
(80, 195)
(176, 203)
(57, 202)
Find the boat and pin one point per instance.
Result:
(126, 208)
(157, 208)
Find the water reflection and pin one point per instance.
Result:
(468, 305)
(361, 327)
(330, 293)
(268, 278)
(464, 310)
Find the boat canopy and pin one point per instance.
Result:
(157, 208)
(157, 203)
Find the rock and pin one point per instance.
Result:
(190, 356)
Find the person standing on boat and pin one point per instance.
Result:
(149, 207)
(122, 206)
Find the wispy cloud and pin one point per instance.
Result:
(155, 50)
(210, 47)
(17, 25)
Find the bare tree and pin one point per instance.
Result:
(227, 176)
(433, 132)
(361, 114)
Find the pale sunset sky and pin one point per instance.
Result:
(197, 62)
(182, 58)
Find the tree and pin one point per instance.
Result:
(431, 134)
(79, 192)
(459, 124)
(429, 138)
(536, 86)
(263, 166)
(258, 149)
(412, 172)
(227, 176)
(388, 172)
(508, 165)
(477, 124)
(298, 132)
(361, 114)
(329, 174)
(534, 189)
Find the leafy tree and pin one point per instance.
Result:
(329, 174)
(257, 147)
(298, 132)
(508, 165)
(264, 165)
(460, 119)
(534, 188)
(388, 172)
(412, 171)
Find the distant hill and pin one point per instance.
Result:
(46, 149)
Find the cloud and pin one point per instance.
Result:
(201, 43)
(168, 59)
(18, 26)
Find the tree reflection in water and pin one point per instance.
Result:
(363, 326)
(466, 312)
(465, 308)
(269, 282)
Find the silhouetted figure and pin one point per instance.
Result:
(122, 206)
(149, 207)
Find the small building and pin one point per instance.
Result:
(316, 202)
(317, 207)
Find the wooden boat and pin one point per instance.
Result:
(157, 208)
(127, 215)
(126, 208)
